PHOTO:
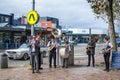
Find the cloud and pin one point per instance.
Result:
(74, 13)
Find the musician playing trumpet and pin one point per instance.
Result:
(52, 51)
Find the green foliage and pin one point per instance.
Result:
(100, 7)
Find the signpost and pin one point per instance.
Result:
(32, 18)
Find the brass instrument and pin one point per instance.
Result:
(51, 47)
(56, 32)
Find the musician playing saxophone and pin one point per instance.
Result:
(52, 51)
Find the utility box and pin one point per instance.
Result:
(3, 61)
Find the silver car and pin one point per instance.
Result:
(22, 52)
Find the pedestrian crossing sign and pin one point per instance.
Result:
(32, 17)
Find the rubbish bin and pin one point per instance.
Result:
(115, 64)
(3, 61)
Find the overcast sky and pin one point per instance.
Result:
(71, 13)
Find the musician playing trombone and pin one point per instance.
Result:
(52, 51)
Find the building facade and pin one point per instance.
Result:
(81, 35)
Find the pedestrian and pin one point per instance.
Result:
(106, 53)
(52, 51)
(34, 55)
(66, 56)
(91, 51)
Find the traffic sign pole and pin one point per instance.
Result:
(32, 26)
(32, 18)
(32, 30)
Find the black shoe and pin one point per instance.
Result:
(66, 66)
(54, 66)
(50, 66)
(41, 68)
(37, 71)
(105, 69)
(88, 65)
(93, 65)
(63, 66)
(33, 72)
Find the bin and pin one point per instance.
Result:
(115, 64)
(3, 61)
(71, 56)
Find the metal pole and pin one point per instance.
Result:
(32, 26)
(33, 5)
(89, 31)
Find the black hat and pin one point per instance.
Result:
(52, 37)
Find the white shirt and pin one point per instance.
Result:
(108, 44)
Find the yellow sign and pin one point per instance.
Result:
(32, 17)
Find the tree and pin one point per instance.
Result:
(107, 10)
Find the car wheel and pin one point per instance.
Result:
(25, 56)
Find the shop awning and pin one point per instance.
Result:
(3, 24)
(20, 27)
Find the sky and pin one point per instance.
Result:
(71, 13)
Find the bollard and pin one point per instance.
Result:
(71, 56)
(3, 61)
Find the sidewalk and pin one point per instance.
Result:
(77, 72)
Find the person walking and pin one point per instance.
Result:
(52, 51)
(91, 50)
(106, 53)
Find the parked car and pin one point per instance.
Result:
(73, 42)
(22, 52)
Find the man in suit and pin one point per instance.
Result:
(34, 54)
(52, 52)
(91, 51)
(38, 40)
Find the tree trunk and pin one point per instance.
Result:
(111, 25)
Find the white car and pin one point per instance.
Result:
(22, 52)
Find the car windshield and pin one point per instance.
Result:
(23, 46)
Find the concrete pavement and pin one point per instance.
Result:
(78, 72)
